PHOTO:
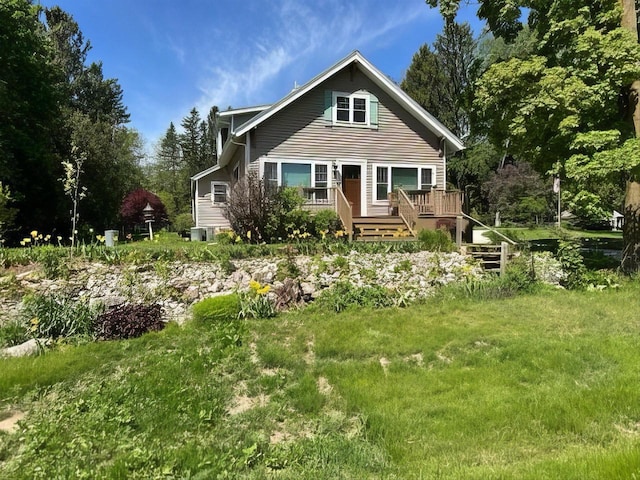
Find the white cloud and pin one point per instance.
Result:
(301, 36)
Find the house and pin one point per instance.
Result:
(351, 140)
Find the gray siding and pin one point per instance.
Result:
(300, 131)
(208, 214)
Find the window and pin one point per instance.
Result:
(296, 174)
(218, 192)
(390, 178)
(321, 182)
(236, 173)
(351, 108)
(382, 183)
(427, 178)
(271, 175)
(312, 177)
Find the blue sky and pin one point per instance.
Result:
(171, 56)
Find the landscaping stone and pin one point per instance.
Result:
(30, 347)
(178, 285)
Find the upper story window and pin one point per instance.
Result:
(353, 109)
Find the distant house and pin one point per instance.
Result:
(351, 140)
(616, 220)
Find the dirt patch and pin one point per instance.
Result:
(310, 355)
(10, 424)
(324, 387)
(384, 363)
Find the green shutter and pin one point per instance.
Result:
(373, 116)
(328, 103)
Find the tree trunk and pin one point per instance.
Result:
(631, 231)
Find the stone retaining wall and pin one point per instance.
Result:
(176, 286)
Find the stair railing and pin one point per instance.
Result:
(343, 209)
(488, 228)
(407, 211)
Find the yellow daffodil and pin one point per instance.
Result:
(253, 285)
(34, 233)
(249, 234)
(264, 290)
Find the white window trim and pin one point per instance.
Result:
(226, 193)
(389, 166)
(279, 161)
(350, 96)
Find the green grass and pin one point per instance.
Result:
(536, 386)
(543, 233)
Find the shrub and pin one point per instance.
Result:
(183, 222)
(572, 264)
(55, 316)
(53, 261)
(436, 240)
(128, 321)
(326, 221)
(217, 309)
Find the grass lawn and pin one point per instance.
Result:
(543, 233)
(538, 386)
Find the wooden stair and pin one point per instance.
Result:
(386, 228)
(489, 256)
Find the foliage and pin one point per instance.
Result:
(256, 303)
(180, 155)
(72, 187)
(587, 207)
(342, 295)
(128, 321)
(258, 214)
(30, 116)
(13, 332)
(183, 222)
(55, 316)
(438, 79)
(519, 194)
(7, 213)
(572, 264)
(131, 210)
(438, 240)
(325, 222)
(53, 262)
(217, 309)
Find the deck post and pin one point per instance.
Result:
(459, 227)
(504, 256)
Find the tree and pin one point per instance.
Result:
(133, 204)
(518, 193)
(563, 107)
(438, 79)
(30, 100)
(169, 172)
(191, 141)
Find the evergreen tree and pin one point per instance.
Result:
(438, 80)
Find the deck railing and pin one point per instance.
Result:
(436, 202)
(343, 208)
(407, 211)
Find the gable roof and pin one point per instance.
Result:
(394, 91)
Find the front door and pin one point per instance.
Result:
(351, 179)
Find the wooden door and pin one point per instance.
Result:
(351, 189)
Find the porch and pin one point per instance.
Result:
(409, 211)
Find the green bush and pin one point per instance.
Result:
(326, 221)
(572, 264)
(54, 316)
(436, 240)
(217, 309)
(183, 222)
(53, 261)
